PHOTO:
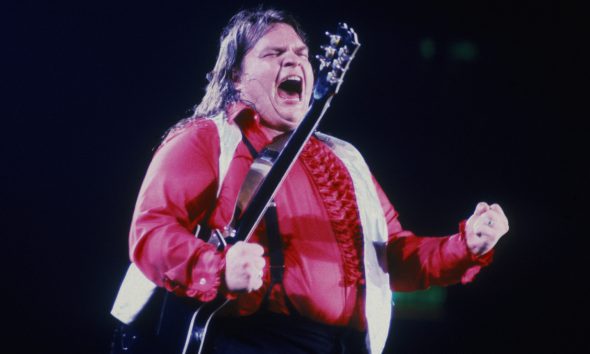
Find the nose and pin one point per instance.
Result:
(291, 59)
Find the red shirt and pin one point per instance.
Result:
(318, 223)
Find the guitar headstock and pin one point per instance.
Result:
(335, 61)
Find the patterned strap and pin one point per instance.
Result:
(275, 243)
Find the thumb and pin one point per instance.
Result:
(253, 249)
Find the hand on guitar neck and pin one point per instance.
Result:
(244, 266)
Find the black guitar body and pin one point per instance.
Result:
(169, 324)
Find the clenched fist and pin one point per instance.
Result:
(244, 266)
(485, 227)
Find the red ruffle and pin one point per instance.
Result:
(337, 193)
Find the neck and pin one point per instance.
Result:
(270, 132)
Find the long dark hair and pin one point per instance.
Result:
(241, 34)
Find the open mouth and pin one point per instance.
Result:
(290, 88)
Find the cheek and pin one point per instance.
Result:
(261, 83)
(254, 88)
(309, 75)
(309, 70)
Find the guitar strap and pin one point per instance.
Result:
(275, 246)
(275, 243)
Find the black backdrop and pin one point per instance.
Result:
(450, 102)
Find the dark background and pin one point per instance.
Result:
(450, 102)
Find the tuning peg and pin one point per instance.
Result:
(330, 51)
(344, 61)
(337, 65)
(343, 53)
(323, 62)
(335, 39)
(332, 77)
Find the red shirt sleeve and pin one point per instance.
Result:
(417, 262)
(178, 190)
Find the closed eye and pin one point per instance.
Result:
(272, 53)
(302, 51)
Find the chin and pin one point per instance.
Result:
(293, 123)
(294, 118)
(288, 126)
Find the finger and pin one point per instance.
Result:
(481, 208)
(255, 283)
(254, 267)
(496, 207)
(493, 218)
(255, 279)
(259, 262)
(474, 219)
(486, 232)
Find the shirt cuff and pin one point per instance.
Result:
(474, 263)
(201, 278)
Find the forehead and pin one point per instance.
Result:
(279, 35)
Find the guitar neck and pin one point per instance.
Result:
(333, 65)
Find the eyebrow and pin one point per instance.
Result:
(301, 48)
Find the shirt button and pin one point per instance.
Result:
(202, 281)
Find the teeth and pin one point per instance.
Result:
(292, 77)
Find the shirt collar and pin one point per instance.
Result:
(248, 120)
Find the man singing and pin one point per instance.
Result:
(343, 248)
